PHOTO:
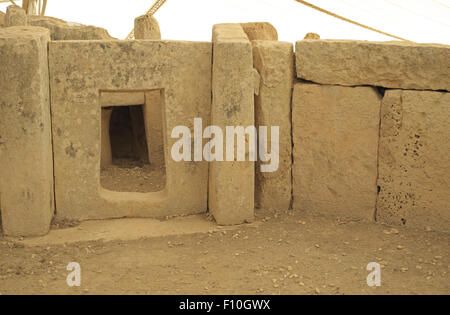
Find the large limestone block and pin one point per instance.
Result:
(414, 162)
(80, 71)
(275, 63)
(146, 27)
(26, 162)
(15, 16)
(387, 64)
(335, 135)
(260, 31)
(61, 30)
(231, 190)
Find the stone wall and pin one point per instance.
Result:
(364, 156)
(79, 72)
(363, 126)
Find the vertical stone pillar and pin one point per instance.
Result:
(154, 126)
(231, 191)
(106, 154)
(146, 27)
(275, 64)
(15, 16)
(26, 158)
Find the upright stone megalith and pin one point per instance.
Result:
(231, 190)
(26, 167)
(15, 16)
(414, 159)
(146, 27)
(275, 63)
(335, 134)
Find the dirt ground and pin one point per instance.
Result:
(130, 176)
(287, 253)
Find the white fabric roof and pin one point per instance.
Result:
(417, 20)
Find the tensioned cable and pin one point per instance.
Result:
(312, 6)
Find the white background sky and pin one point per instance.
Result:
(426, 21)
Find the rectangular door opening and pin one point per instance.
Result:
(126, 165)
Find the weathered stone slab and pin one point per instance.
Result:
(122, 98)
(231, 190)
(79, 72)
(15, 16)
(387, 64)
(61, 30)
(260, 31)
(275, 64)
(26, 162)
(146, 27)
(335, 135)
(414, 162)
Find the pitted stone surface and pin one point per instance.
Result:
(414, 161)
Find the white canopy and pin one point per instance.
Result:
(416, 20)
